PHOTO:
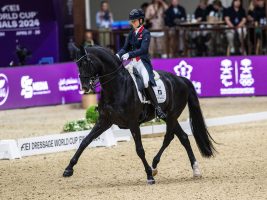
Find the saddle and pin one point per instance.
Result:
(159, 90)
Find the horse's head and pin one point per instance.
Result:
(88, 69)
(96, 64)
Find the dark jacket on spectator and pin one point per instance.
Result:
(258, 14)
(201, 13)
(235, 17)
(217, 13)
(171, 17)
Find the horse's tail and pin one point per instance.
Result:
(197, 123)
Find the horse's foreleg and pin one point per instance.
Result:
(141, 153)
(167, 140)
(98, 129)
(179, 132)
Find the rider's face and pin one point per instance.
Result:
(135, 23)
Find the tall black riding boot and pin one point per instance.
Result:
(152, 97)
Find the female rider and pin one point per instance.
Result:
(136, 49)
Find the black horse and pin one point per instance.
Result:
(120, 105)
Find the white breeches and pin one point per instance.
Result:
(141, 70)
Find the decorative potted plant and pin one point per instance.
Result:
(91, 117)
(89, 99)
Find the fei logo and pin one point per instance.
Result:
(237, 77)
(4, 89)
(11, 8)
(184, 69)
(31, 88)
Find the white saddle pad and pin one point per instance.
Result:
(160, 90)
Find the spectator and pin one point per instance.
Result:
(216, 10)
(144, 6)
(235, 18)
(259, 13)
(173, 16)
(201, 37)
(155, 16)
(257, 16)
(202, 11)
(147, 23)
(251, 8)
(104, 20)
(88, 39)
(214, 40)
(104, 17)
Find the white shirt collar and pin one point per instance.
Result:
(137, 30)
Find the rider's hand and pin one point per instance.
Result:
(125, 56)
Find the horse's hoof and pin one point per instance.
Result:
(197, 176)
(154, 172)
(196, 171)
(68, 173)
(151, 182)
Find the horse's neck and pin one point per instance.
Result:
(113, 85)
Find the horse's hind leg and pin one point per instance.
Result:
(167, 140)
(99, 128)
(183, 137)
(135, 130)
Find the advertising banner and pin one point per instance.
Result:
(39, 85)
(221, 76)
(31, 27)
(59, 84)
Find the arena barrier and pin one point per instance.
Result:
(12, 149)
(59, 84)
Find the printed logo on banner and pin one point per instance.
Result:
(10, 8)
(31, 88)
(68, 84)
(4, 89)
(185, 70)
(237, 77)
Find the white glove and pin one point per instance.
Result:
(125, 56)
(118, 56)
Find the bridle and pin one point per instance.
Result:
(94, 80)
